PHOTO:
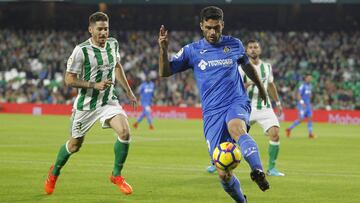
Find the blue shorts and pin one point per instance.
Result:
(304, 112)
(215, 126)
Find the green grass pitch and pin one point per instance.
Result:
(168, 164)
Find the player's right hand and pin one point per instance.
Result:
(103, 84)
(163, 38)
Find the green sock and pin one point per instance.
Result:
(61, 160)
(121, 151)
(273, 153)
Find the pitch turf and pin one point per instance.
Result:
(168, 164)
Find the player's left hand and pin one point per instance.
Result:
(132, 98)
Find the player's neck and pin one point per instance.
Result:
(255, 61)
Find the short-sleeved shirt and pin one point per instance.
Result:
(215, 71)
(94, 64)
(264, 71)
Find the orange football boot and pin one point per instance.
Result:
(312, 136)
(50, 182)
(122, 184)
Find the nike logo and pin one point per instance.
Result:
(203, 51)
(240, 114)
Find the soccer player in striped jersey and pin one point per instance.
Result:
(92, 68)
(225, 105)
(304, 106)
(261, 113)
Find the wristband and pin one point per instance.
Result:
(301, 101)
(278, 103)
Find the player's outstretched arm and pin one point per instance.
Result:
(120, 76)
(164, 65)
(252, 74)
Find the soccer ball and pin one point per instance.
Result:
(226, 156)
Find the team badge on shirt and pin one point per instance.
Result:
(226, 49)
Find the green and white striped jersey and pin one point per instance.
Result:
(264, 71)
(94, 64)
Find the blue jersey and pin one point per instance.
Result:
(215, 71)
(146, 93)
(305, 93)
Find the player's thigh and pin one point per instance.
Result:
(108, 112)
(237, 119)
(147, 109)
(215, 131)
(301, 112)
(113, 116)
(267, 119)
(308, 113)
(81, 122)
(120, 125)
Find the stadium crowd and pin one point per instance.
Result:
(32, 65)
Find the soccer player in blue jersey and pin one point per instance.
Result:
(146, 91)
(226, 107)
(304, 106)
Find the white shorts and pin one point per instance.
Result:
(265, 117)
(81, 121)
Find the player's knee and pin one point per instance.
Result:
(236, 130)
(275, 138)
(73, 148)
(124, 134)
(274, 134)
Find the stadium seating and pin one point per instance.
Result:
(32, 65)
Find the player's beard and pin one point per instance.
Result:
(213, 39)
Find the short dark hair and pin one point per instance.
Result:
(98, 16)
(211, 12)
(251, 41)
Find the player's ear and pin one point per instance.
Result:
(90, 29)
(201, 26)
(222, 24)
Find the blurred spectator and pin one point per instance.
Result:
(32, 65)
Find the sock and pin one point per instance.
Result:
(273, 153)
(62, 157)
(121, 148)
(250, 151)
(233, 189)
(310, 126)
(297, 122)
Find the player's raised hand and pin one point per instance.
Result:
(132, 99)
(103, 84)
(163, 38)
